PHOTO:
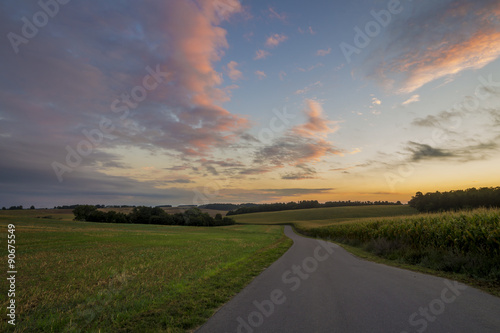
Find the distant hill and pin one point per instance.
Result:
(226, 206)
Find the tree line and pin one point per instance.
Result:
(151, 215)
(305, 204)
(456, 200)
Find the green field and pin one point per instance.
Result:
(81, 276)
(319, 217)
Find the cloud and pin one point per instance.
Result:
(438, 120)
(466, 37)
(260, 75)
(412, 99)
(310, 68)
(287, 192)
(309, 30)
(423, 151)
(64, 93)
(256, 170)
(376, 101)
(301, 144)
(316, 125)
(275, 40)
(282, 75)
(233, 73)
(308, 88)
(293, 149)
(303, 172)
(355, 151)
(266, 195)
(274, 14)
(67, 78)
(472, 152)
(180, 181)
(495, 116)
(261, 54)
(323, 53)
(212, 170)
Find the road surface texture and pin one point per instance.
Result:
(317, 286)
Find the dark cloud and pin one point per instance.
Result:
(478, 151)
(256, 170)
(180, 181)
(212, 170)
(442, 118)
(424, 152)
(294, 149)
(302, 172)
(288, 192)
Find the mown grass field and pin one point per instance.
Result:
(86, 277)
(320, 217)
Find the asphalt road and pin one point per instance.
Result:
(317, 286)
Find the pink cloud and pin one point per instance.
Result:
(323, 53)
(261, 54)
(316, 125)
(302, 144)
(275, 40)
(275, 14)
(261, 75)
(428, 52)
(233, 73)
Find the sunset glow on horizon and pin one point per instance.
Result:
(227, 101)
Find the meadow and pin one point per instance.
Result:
(90, 277)
(321, 217)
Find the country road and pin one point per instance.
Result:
(317, 286)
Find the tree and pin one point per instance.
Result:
(32, 207)
(82, 212)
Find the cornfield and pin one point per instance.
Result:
(473, 232)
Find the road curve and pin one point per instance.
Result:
(317, 286)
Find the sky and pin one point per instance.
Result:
(226, 101)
